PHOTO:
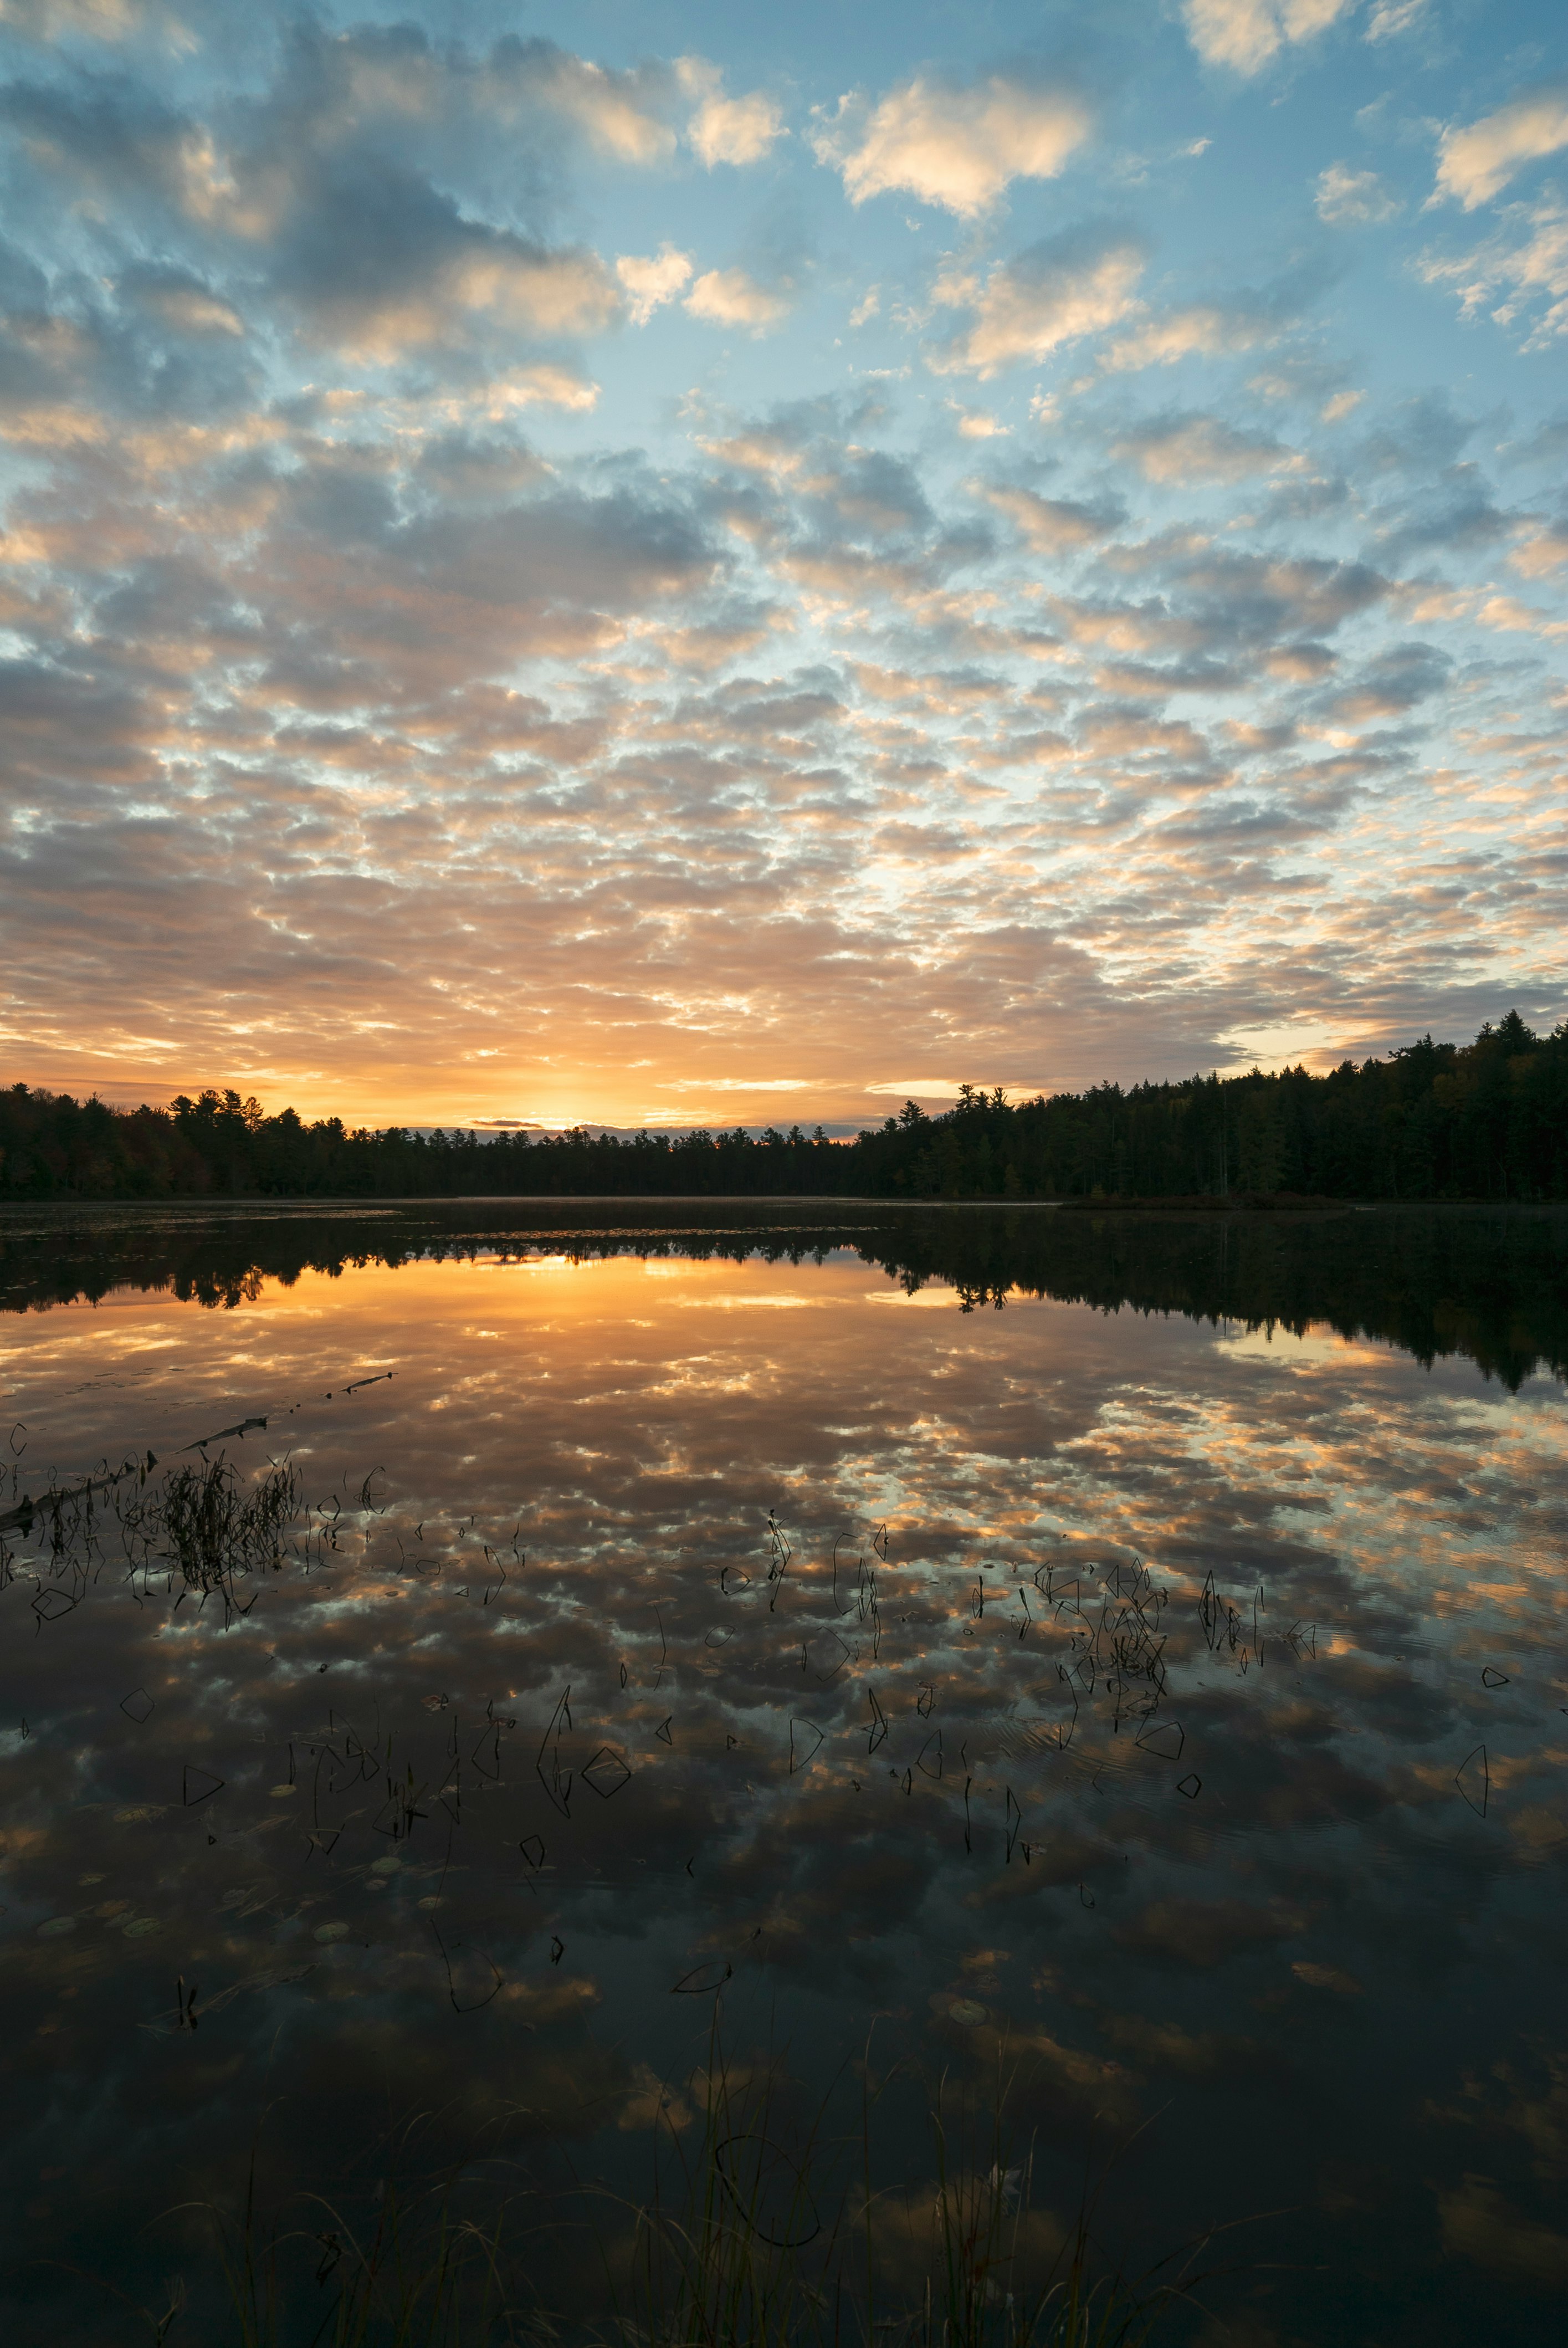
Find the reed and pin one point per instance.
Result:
(778, 2247)
(213, 1528)
(416, 2275)
(757, 2230)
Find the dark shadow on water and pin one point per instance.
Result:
(1489, 1284)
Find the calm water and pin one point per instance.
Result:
(1159, 1681)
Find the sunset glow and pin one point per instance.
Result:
(673, 566)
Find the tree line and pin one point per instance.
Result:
(1483, 1121)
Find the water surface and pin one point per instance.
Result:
(1131, 1651)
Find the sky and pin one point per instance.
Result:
(672, 565)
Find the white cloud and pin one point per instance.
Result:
(191, 310)
(1207, 329)
(565, 293)
(1201, 448)
(726, 130)
(917, 1087)
(867, 306)
(1246, 35)
(1509, 274)
(758, 452)
(1345, 198)
(956, 148)
(1027, 307)
(605, 105)
(976, 425)
(537, 386)
(707, 646)
(496, 281)
(408, 83)
(1475, 162)
(744, 1083)
(729, 297)
(1544, 551)
(100, 20)
(1389, 18)
(651, 280)
(1050, 525)
(1507, 612)
(1343, 404)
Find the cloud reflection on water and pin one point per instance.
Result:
(1323, 1929)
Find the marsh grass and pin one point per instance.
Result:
(412, 2273)
(754, 2237)
(207, 1526)
(761, 2227)
(213, 1528)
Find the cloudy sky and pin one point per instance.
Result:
(674, 562)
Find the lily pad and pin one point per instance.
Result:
(55, 1926)
(139, 1927)
(327, 1933)
(965, 2010)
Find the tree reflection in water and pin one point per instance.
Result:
(1091, 1691)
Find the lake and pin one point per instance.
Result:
(506, 1702)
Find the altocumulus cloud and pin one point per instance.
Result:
(1059, 291)
(952, 146)
(514, 602)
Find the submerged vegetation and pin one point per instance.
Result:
(1487, 1121)
(587, 2170)
(204, 1526)
(753, 2232)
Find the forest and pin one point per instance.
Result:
(1486, 1121)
